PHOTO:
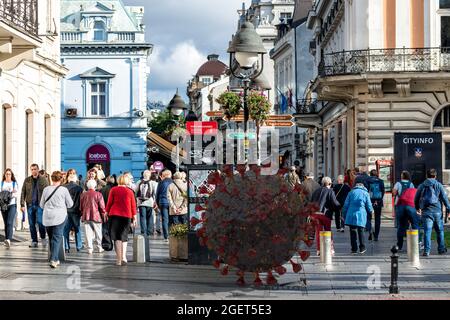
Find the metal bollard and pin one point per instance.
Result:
(139, 249)
(62, 251)
(325, 248)
(393, 289)
(413, 247)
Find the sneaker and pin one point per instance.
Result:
(33, 245)
(166, 240)
(100, 250)
(362, 251)
(443, 252)
(158, 231)
(124, 263)
(421, 246)
(54, 264)
(90, 251)
(318, 253)
(425, 254)
(354, 252)
(7, 244)
(44, 243)
(342, 230)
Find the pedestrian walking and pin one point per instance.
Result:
(341, 190)
(92, 175)
(292, 178)
(327, 202)
(92, 208)
(146, 194)
(100, 172)
(162, 201)
(30, 198)
(361, 177)
(73, 213)
(310, 185)
(350, 178)
(157, 214)
(121, 213)
(54, 202)
(356, 208)
(178, 200)
(10, 188)
(405, 211)
(428, 201)
(376, 193)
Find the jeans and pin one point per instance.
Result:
(406, 215)
(377, 210)
(354, 233)
(165, 220)
(181, 219)
(9, 218)
(430, 221)
(323, 223)
(146, 220)
(55, 235)
(338, 219)
(73, 221)
(33, 212)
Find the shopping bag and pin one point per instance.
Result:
(107, 243)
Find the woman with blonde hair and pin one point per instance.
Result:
(55, 201)
(121, 212)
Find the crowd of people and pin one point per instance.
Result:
(100, 207)
(357, 199)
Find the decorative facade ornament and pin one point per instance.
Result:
(404, 87)
(376, 88)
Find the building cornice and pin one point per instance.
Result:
(107, 48)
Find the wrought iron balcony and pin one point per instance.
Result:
(307, 106)
(20, 14)
(385, 60)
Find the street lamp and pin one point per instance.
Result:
(246, 48)
(177, 107)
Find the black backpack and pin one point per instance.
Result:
(5, 198)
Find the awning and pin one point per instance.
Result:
(165, 147)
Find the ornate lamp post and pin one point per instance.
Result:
(246, 63)
(176, 108)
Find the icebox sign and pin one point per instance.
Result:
(416, 153)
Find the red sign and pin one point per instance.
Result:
(97, 153)
(201, 127)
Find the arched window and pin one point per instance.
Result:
(443, 118)
(99, 31)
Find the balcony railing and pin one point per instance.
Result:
(70, 36)
(385, 60)
(307, 106)
(20, 14)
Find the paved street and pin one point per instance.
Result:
(25, 274)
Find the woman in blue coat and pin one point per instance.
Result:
(356, 208)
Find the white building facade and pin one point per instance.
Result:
(30, 86)
(105, 93)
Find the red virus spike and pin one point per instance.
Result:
(296, 267)
(280, 270)
(240, 281)
(258, 281)
(216, 263)
(304, 255)
(271, 281)
(195, 222)
(224, 271)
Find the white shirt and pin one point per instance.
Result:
(55, 210)
(11, 187)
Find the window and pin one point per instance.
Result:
(285, 16)
(206, 81)
(99, 31)
(447, 156)
(445, 31)
(98, 99)
(443, 119)
(444, 4)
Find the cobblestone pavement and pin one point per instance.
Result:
(25, 274)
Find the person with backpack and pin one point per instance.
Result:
(178, 201)
(428, 202)
(405, 211)
(54, 202)
(162, 201)
(10, 189)
(145, 193)
(376, 192)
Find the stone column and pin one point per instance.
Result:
(417, 24)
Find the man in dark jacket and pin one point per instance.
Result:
(162, 201)
(31, 194)
(361, 177)
(375, 186)
(428, 201)
(73, 214)
(327, 202)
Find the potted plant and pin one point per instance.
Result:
(259, 110)
(231, 103)
(178, 242)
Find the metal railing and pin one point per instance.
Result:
(20, 14)
(385, 60)
(307, 106)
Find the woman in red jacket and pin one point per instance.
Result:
(121, 210)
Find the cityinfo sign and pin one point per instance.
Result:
(416, 153)
(97, 153)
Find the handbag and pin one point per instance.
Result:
(107, 243)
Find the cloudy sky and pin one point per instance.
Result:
(183, 34)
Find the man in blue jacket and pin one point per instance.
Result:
(428, 202)
(163, 202)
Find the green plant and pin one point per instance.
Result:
(231, 103)
(258, 106)
(178, 230)
(164, 124)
